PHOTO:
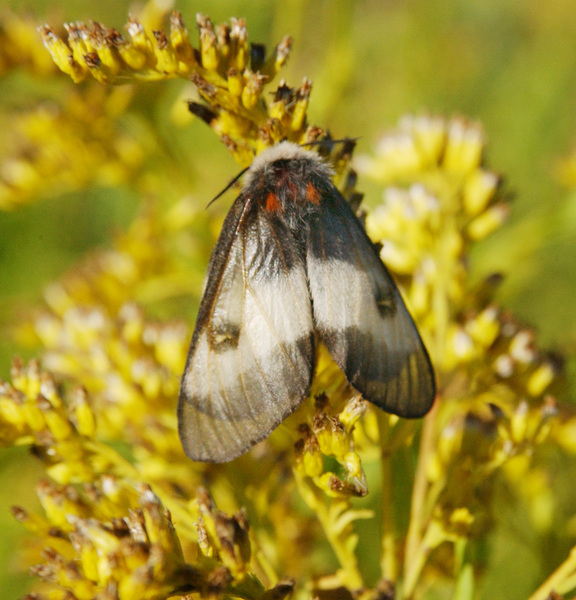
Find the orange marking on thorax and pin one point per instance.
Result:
(312, 194)
(273, 203)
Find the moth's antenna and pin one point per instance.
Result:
(228, 186)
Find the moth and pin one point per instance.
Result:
(292, 267)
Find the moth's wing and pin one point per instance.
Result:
(360, 315)
(252, 354)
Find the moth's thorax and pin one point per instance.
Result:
(287, 178)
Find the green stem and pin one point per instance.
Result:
(388, 562)
(414, 558)
(350, 573)
(559, 577)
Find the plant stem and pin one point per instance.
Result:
(388, 562)
(339, 541)
(413, 562)
(555, 581)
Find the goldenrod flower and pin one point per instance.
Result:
(124, 513)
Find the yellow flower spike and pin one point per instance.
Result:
(62, 55)
(159, 527)
(298, 120)
(117, 492)
(352, 412)
(459, 347)
(49, 392)
(522, 348)
(235, 81)
(132, 322)
(333, 486)
(479, 189)
(135, 57)
(34, 416)
(464, 147)
(401, 259)
(88, 556)
(73, 469)
(143, 373)
(278, 58)
(59, 503)
(421, 204)
(13, 424)
(43, 529)
(33, 523)
(228, 536)
(204, 539)
(252, 90)
(66, 574)
(488, 222)
(271, 133)
(453, 245)
(419, 295)
(312, 463)
(322, 428)
(485, 327)
(171, 346)
(449, 446)
(180, 41)
(107, 53)
(547, 423)
(57, 423)
(218, 97)
(429, 135)
(340, 439)
(353, 465)
(101, 537)
(240, 50)
(309, 459)
(223, 44)
(26, 379)
(208, 51)
(140, 42)
(378, 220)
(135, 556)
(460, 521)
(519, 422)
(59, 300)
(504, 366)
(565, 434)
(84, 417)
(166, 59)
(540, 379)
(399, 155)
(77, 42)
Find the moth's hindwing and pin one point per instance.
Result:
(360, 315)
(252, 354)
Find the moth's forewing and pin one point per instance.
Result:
(251, 360)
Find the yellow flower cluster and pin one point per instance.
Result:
(109, 540)
(493, 411)
(57, 149)
(107, 535)
(229, 73)
(104, 425)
